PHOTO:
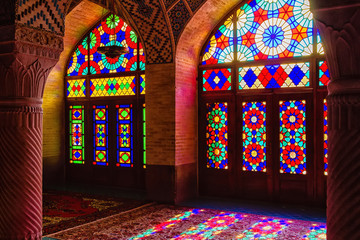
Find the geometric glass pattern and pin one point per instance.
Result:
(324, 75)
(78, 64)
(220, 48)
(142, 84)
(113, 31)
(293, 137)
(254, 136)
(316, 232)
(125, 136)
(211, 227)
(274, 76)
(217, 79)
(101, 148)
(320, 48)
(325, 138)
(76, 134)
(144, 136)
(274, 29)
(115, 86)
(267, 228)
(76, 88)
(167, 224)
(216, 135)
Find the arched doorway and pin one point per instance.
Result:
(105, 108)
(262, 82)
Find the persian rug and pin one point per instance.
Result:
(172, 222)
(62, 210)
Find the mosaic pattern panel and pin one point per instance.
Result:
(267, 228)
(78, 64)
(320, 48)
(100, 123)
(142, 84)
(220, 48)
(76, 88)
(144, 135)
(113, 31)
(216, 135)
(211, 227)
(293, 137)
(275, 76)
(324, 74)
(167, 224)
(254, 136)
(115, 86)
(141, 57)
(316, 232)
(125, 140)
(325, 138)
(274, 29)
(217, 79)
(76, 134)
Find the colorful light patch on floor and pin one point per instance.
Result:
(211, 227)
(266, 228)
(167, 224)
(316, 232)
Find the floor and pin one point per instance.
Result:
(291, 211)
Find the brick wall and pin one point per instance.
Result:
(78, 22)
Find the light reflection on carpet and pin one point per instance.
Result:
(172, 222)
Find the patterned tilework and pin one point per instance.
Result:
(168, 3)
(178, 15)
(43, 14)
(195, 4)
(152, 26)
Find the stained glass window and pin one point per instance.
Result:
(113, 31)
(325, 138)
(144, 135)
(274, 76)
(78, 64)
(115, 86)
(216, 135)
(125, 136)
(324, 74)
(266, 228)
(142, 84)
(274, 29)
(254, 136)
(100, 121)
(217, 79)
(293, 137)
(76, 134)
(320, 48)
(220, 48)
(76, 88)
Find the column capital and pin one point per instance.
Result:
(340, 30)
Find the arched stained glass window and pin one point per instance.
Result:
(268, 56)
(105, 97)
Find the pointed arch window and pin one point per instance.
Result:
(265, 63)
(110, 95)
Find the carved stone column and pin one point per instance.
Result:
(340, 30)
(25, 62)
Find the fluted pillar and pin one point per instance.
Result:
(26, 59)
(340, 31)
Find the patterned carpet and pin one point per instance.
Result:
(63, 210)
(171, 222)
